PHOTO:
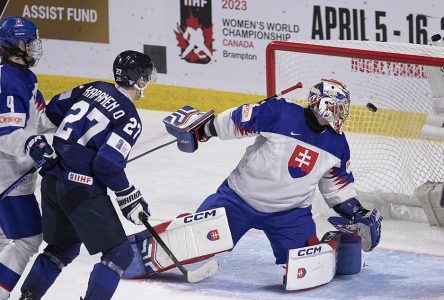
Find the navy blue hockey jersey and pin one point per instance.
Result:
(97, 127)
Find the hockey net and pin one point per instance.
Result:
(401, 145)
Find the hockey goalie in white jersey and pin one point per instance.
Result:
(296, 150)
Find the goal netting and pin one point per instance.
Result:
(401, 145)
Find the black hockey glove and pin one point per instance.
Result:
(40, 151)
(132, 204)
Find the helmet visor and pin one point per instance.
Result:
(145, 80)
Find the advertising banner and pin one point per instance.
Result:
(79, 20)
(211, 44)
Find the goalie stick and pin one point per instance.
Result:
(293, 87)
(206, 270)
(297, 85)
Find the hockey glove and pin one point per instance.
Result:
(357, 220)
(188, 126)
(40, 151)
(132, 204)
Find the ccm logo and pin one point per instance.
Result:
(309, 251)
(199, 216)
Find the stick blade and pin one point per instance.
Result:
(206, 270)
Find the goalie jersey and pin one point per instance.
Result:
(97, 127)
(281, 170)
(21, 109)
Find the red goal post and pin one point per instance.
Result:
(333, 49)
(401, 146)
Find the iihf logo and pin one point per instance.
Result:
(194, 34)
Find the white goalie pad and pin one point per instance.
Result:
(310, 267)
(430, 195)
(191, 238)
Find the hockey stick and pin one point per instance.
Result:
(22, 178)
(25, 176)
(297, 85)
(151, 150)
(28, 173)
(206, 270)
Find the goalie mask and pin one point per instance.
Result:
(132, 68)
(330, 100)
(20, 37)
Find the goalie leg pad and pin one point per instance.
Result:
(309, 267)
(191, 238)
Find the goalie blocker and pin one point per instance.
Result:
(190, 237)
(187, 125)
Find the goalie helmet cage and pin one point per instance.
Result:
(389, 154)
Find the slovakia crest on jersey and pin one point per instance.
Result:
(301, 273)
(302, 161)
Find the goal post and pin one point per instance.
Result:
(400, 146)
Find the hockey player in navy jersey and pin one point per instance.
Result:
(296, 150)
(21, 113)
(98, 125)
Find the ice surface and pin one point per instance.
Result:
(408, 264)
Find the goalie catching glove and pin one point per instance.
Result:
(190, 126)
(356, 219)
(131, 204)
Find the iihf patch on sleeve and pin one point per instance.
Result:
(247, 110)
(119, 144)
(80, 178)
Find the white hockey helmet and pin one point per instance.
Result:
(330, 100)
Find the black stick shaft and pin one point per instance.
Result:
(143, 217)
(151, 150)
